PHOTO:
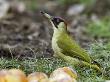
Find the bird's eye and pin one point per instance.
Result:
(56, 21)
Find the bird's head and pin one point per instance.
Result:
(57, 22)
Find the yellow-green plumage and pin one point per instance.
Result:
(65, 47)
(62, 42)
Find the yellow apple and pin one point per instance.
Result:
(37, 77)
(2, 75)
(65, 74)
(13, 75)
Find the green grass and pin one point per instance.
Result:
(31, 4)
(87, 2)
(99, 29)
(70, 2)
(66, 2)
(100, 53)
(46, 65)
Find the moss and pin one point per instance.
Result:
(31, 4)
(99, 29)
(70, 2)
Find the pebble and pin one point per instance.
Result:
(75, 9)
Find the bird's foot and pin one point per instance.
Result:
(55, 55)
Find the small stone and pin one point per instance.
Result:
(4, 7)
(51, 5)
(76, 9)
(94, 18)
(107, 81)
(18, 6)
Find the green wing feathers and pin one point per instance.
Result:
(70, 48)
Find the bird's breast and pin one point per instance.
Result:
(55, 46)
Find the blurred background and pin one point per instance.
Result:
(25, 35)
(26, 32)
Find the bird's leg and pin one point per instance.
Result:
(56, 55)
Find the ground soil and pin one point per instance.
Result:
(23, 35)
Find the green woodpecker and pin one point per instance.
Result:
(64, 46)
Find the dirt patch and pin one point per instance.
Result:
(24, 36)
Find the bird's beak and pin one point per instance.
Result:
(47, 15)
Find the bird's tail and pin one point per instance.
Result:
(76, 62)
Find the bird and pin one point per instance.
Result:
(64, 46)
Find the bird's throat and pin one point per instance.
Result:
(55, 37)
